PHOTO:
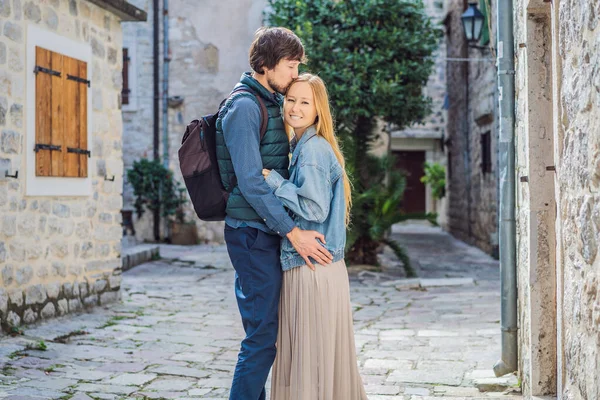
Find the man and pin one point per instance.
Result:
(256, 220)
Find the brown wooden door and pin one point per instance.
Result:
(412, 162)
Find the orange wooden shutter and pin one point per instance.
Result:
(75, 117)
(43, 114)
(58, 120)
(61, 115)
(83, 142)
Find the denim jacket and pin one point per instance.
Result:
(314, 194)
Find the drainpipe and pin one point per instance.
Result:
(166, 61)
(467, 150)
(506, 147)
(155, 104)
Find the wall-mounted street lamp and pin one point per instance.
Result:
(472, 20)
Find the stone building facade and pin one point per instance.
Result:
(207, 58)
(59, 230)
(557, 53)
(471, 132)
(423, 142)
(138, 118)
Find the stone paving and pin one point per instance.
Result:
(176, 333)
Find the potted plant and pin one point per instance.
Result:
(155, 189)
(182, 231)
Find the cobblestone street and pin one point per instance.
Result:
(176, 333)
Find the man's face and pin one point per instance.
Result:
(280, 77)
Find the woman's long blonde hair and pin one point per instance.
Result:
(324, 125)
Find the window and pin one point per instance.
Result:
(125, 92)
(60, 115)
(129, 93)
(486, 152)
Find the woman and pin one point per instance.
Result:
(316, 357)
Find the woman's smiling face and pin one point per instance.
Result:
(299, 109)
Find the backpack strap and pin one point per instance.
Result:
(264, 115)
(264, 118)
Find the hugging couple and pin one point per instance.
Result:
(285, 230)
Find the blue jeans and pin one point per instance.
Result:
(255, 258)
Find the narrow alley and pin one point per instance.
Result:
(176, 333)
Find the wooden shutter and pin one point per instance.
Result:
(76, 114)
(125, 92)
(44, 83)
(83, 125)
(61, 115)
(486, 152)
(485, 30)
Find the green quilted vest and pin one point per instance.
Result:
(274, 149)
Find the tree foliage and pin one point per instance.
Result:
(375, 57)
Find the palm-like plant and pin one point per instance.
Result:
(376, 208)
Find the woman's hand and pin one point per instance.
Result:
(266, 172)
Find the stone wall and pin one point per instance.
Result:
(535, 200)
(471, 88)
(436, 85)
(205, 54)
(456, 74)
(558, 101)
(138, 118)
(578, 176)
(428, 134)
(483, 120)
(522, 204)
(59, 254)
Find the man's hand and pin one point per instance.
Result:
(305, 243)
(266, 172)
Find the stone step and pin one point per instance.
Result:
(428, 283)
(486, 381)
(136, 255)
(425, 283)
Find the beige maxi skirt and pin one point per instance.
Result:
(316, 355)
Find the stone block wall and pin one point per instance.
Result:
(471, 89)
(564, 35)
(522, 205)
(577, 139)
(436, 85)
(535, 201)
(59, 254)
(483, 120)
(456, 75)
(138, 120)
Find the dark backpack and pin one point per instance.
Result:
(198, 162)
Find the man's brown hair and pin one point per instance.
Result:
(272, 45)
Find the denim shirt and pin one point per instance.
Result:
(315, 195)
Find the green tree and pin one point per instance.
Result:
(375, 57)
